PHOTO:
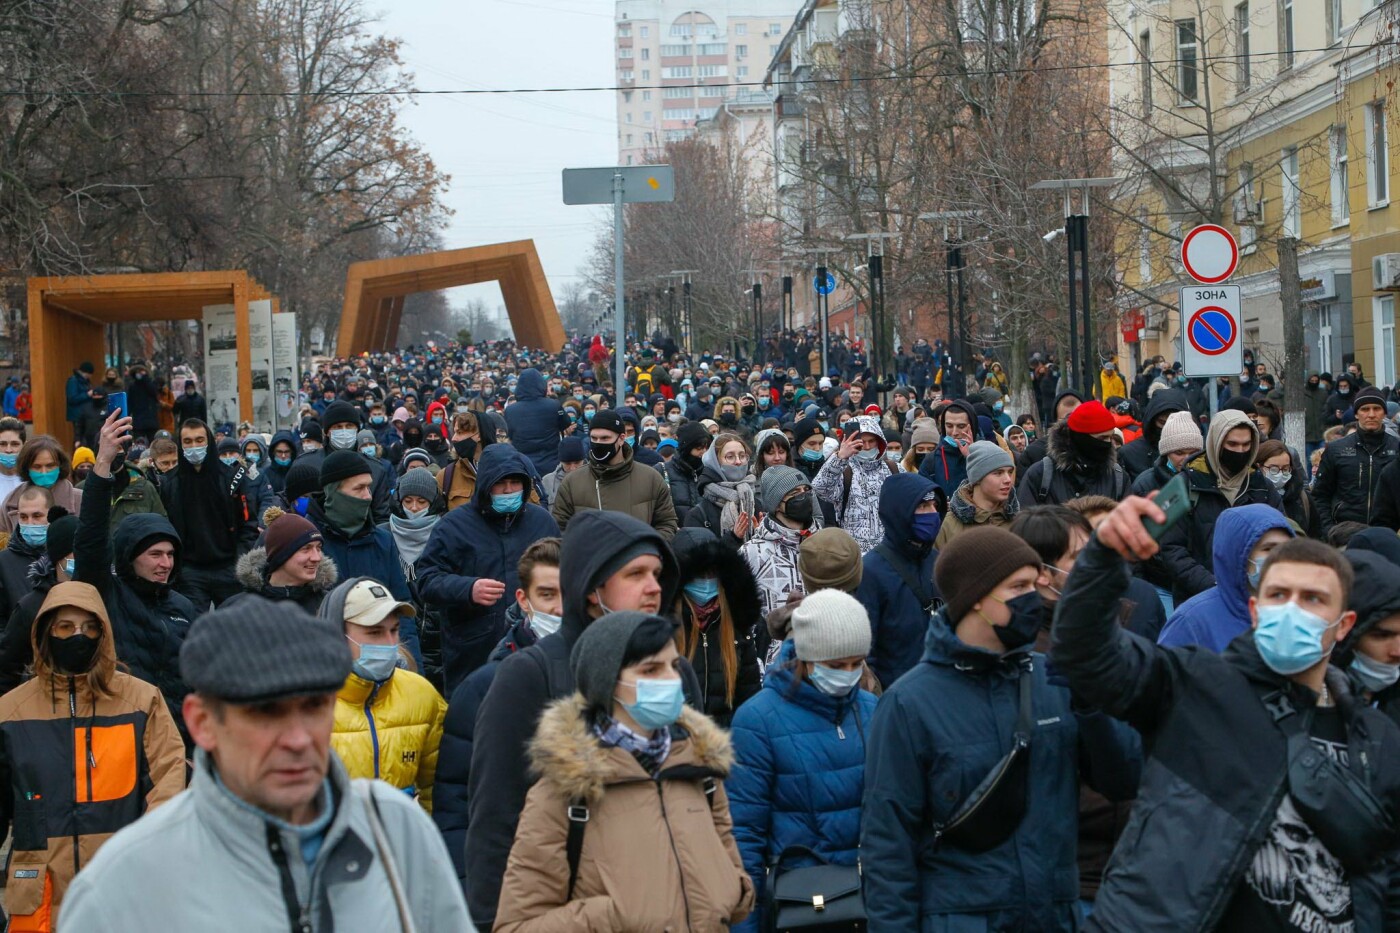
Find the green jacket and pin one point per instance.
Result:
(140, 495)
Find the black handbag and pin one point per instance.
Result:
(996, 806)
(822, 898)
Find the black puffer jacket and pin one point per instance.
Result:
(700, 554)
(1218, 806)
(1138, 456)
(16, 648)
(149, 620)
(684, 483)
(1346, 485)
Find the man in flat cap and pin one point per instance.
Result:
(271, 831)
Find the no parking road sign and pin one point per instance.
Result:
(1210, 327)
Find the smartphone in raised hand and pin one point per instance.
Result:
(1175, 500)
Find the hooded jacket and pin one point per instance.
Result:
(15, 560)
(525, 683)
(1220, 614)
(252, 576)
(658, 853)
(940, 730)
(1138, 456)
(277, 475)
(1346, 483)
(1375, 596)
(898, 617)
(625, 486)
(857, 513)
(700, 554)
(213, 508)
(1220, 806)
(772, 558)
(149, 620)
(474, 543)
(1069, 476)
(964, 513)
(62, 807)
(535, 421)
(1187, 550)
(15, 652)
(799, 772)
(209, 854)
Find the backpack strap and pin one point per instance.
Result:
(573, 845)
(847, 474)
(1047, 475)
(910, 580)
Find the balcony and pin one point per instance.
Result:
(788, 105)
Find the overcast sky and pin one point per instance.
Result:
(505, 152)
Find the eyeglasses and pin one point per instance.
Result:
(64, 628)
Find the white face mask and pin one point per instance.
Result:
(1374, 675)
(542, 623)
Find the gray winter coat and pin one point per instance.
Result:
(206, 855)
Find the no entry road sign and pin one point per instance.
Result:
(1210, 254)
(1210, 325)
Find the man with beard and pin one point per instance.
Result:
(1347, 481)
(1079, 461)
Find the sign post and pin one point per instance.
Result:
(1210, 311)
(630, 184)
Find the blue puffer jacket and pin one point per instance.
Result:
(535, 421)
(936, 735)
(470, 543)
(1214, 618)
(898, 621)
(799, 771)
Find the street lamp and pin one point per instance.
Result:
(874, 264)
(1077, 238)
(688, 323)
(952, 221)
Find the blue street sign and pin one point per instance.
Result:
(825, 286)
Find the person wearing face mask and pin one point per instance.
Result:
(852, 478)
(790, 516)
(1339, 401)
(457, 479)
(135, 758)
(614, 481)
(282, 454)
(627, 753)
(467, 570)
(799, 746)
(1371, 653)
(1221, 479)
(12, 435)
(388, 721)
(289, 564)
(1139, 456)
(340, 425)
(922, 440)
(535, 421)
(53, 565)
(45, 464)
(1079, 460)
(1266, 708)
(948, 724)
(1110, 381)
(1243, 539)
(718, 609)
(897, 585)
(727, 488)
(956, 422)
(683, 470)
(1277, 465)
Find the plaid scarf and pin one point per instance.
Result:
(650, 751)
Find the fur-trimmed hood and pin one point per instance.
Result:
(251, 571)
(1058, 449)
(701, 554)
(566, 753)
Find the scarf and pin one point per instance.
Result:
(704, 615)
(411, 535)
(1223, 423)
(732, 498)
(650, 751)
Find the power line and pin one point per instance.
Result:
(1202, 63)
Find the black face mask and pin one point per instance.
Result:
(692, 461)
(600, 451)
(728, 418)
(919, 461)
(1235, 461)
(799, 508)
(1026, 612)
(74, 654)
(466, 448)
(748, 409)
(1091, 449)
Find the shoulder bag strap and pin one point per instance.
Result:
(899, 567)
(1026, 683)
(386, 855)
(573, 845)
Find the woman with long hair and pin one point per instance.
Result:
(727, 488)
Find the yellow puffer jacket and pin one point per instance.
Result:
(401, 720)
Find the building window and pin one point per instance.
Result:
(1145, 66)
(646, 116)
(1341, 183)
(674, 93)
(624, 53)
(627, 117)
(1242, 46)
(741, 29)
(1246, 207)
(1334, 21)
(686, 114)
(1285, 34)
(646, 55)
(772, 51)
(671, 51)
(1384, 310)
(1324, 337)
(775, 29)
(711, 48)
(646, 74)
(646, 96)
(741, 50)
(677, 71)
(1186, 63)
(629, 139)
(1377, 156)
(1144, 238)
(624, 32)
(1292, 194)
(741, 71)
(681, 30)
(650, 138)
(711, 71)
(627, 97)
(644, 32)
(625, 74)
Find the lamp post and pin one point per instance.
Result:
(952, 222)
(874, 265)
(1077, 240)
(755, 291)
(823, 306)
(686, 324)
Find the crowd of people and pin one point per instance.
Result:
(488, 642)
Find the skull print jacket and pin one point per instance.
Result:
(1214, 787)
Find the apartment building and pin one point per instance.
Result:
(1271, 118)
(679, 62)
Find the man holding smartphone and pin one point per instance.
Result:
(947, 465)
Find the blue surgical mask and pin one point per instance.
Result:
(658, 703)
(1374, 675)
(196, 455)
(343, 438)
(543, 624)
(703, 590)
(833, 682)
(925, 526)
(376, 663)
(252, 456)
(507, 503)
(998, 406)
(950, 441)
(868, 454)
(826, 425)
(630, 440)
(1256, 570)
(377, 419)
(282, 461)
(229, 459)
(588, 414)
(9, 461)
(34, 535)
(370, 450)
(1289, 638)
(812, 456)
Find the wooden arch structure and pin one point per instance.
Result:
(68, 318)
(375, 292)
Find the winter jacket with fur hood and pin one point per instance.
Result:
(133, 761)
(858, 514)
(1070, 477)
(252, 574)
(657, 853)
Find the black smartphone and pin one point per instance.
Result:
(1173, 499)
(850, 429)
(116, 401)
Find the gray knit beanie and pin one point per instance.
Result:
(777, 482)
(599, 653)
(925, 432)
(417, 482)
(830, 624)
(982, 458)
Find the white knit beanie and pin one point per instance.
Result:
(828, 625)
(1179, 433)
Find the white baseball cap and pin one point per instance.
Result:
(368, 603)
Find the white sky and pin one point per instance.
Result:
(505, 152)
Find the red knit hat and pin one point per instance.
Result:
(1091, 418)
